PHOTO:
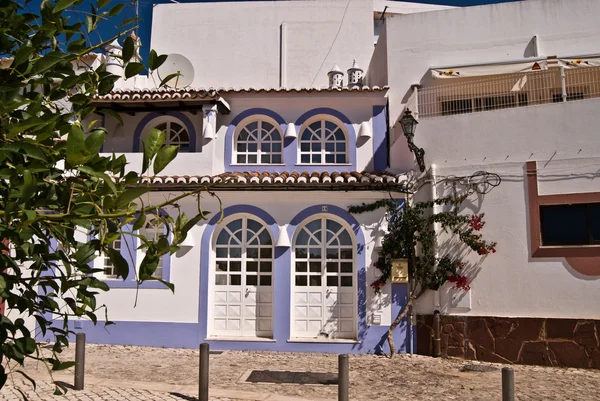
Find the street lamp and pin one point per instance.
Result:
(409, 125)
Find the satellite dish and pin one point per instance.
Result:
(177, 64)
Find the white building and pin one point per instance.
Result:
(509, 89)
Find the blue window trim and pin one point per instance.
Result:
(290, 145)
(141, 127)
(130, 242)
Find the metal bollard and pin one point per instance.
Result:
(203, 373)
(79, 361)
(437, 334)
(343, 377)
(508, 384)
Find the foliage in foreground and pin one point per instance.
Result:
(54, 183)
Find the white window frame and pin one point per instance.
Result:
(324, 273)
(213, 269)
(324, 142)
(242, 126)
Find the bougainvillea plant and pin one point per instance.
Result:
(413, 226)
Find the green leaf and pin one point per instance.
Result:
(155, 61)
(22, 54)
(62, 4)
(130, 195)
(139, 223)
(168, 78)
(101, 175)
(47, 62)
(133, 69)
(116, 9)
(165, 155)
(75, 146)
(171, 286)
(102, 3)
(94, 141)
(85, 253)
(57, 365)
(128, 49)
(118, 262)
(154, 140)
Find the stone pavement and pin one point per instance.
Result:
(144, 373)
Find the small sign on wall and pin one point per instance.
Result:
(399, 271)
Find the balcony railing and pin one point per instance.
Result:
(470, 95)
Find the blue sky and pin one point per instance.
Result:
(110, 28)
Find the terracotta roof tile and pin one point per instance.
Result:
(342, 180)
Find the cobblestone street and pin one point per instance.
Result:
(139, 373)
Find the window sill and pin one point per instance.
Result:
(323, 164)
(323, 340)
(112, 283)
(241, 339)
(257, 165)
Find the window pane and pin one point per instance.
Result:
(266, 253)
(235, 252)
(221, 279)
(346, 281)
(340, 158)
(564, 225)
(346, 267)
(266, 267)
(265, 159)
(235, 266)
(301, 281)
(252, 158)
(241, 158)
(595, 221)
(315, 267)
(252, 266)
(300, 266)
(329, 158)
(332, 267)
(251, 280)
(315, 281)
(235, 279)
(222, 266)
(305, 159)
(276, 147)
(252, 253)
(276, 159)
(265, 280)
(332, 281)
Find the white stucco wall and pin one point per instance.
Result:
(241, 44)
(492, 33)
(163, 306)
(562, 138)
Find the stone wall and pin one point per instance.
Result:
(531, 341)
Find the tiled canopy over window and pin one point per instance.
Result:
(323, 142)
(259, 142)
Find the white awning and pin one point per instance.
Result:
(475, 70)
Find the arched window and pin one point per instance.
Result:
(259, 142)
(243, 279)
(153, 230)
(323, 142)
(176, 134)
(324, 280)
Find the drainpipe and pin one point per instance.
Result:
(437, 340)
(563, 83)
(436, 226)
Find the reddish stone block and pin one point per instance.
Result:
(585, 334)
(526, 329)
(458, 352)
(499, 327)
(595, 359)
(455, 339)
(479, 334)
(460, 327)
(447, 329)
(508, 348)
(569, 354)
(489, 356)
(535, 353)
(424, 340)
(560, 328)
